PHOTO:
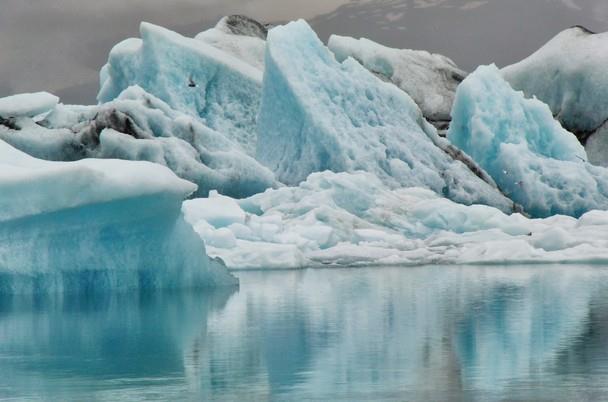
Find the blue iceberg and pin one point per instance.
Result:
(534, 161)
(97, 224)
(318, 114)
(190, 76)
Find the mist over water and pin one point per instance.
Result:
(60, 45)
(429, 333)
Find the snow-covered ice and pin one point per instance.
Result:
(190, 76)
(30, 105)
(355, 220)
(568, 74)
(106, 224)
(318, 114)
(239, 36)
(430, 79)
(534, 161)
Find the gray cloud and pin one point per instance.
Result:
(59, 45)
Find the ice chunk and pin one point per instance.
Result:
(139, 126)
(29, 105)
(96, 224)
(531, 157)
(190, 76)
(568, 74)
(318, 114)
(217, 210)
(430, 79)
(354, 219)
(239, 36)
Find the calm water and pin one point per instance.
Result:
(428, 334)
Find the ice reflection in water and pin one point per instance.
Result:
(398, 333)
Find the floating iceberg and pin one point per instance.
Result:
(430, 79)
(534, 161)
(318, 114)
(239, 36)
(346, 219)
(568, 74)
(139, 126)
(190, 76)
(96, 224)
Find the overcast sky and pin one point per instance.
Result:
(59, 45)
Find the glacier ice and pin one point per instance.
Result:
(239, 36)
(28, 105)
(568, 74)
(318, 114)
(190, 76)
(139, 126)
(96, 224)
(430, 79)
(534, 161)
(353, 219)
(239, 111)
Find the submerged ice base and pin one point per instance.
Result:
(96, 225)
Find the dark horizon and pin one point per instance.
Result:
(59, 46)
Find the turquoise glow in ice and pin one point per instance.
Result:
(531, 157)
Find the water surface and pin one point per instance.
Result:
(432, 333)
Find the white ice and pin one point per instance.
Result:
(243, 38)
(349, 219)
(30, 105)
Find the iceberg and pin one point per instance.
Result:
(97, 225)
(353, 219)
(190, 76)
(568, 74)
(318, 114)
(534, 161)
(240, 36)
(139, 126)
(430, 79)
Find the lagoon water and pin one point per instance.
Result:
(416, 334)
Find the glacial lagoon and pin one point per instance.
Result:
(418, 334)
